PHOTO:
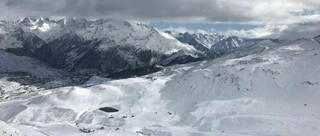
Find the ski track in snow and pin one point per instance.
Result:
(271, 93)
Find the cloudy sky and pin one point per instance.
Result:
(259, 18)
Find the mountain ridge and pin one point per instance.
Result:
(215, 44)
(73, 44)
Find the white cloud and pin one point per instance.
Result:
(267, 31)
(301, 30)
(184, 30)
(278, 18)
(231, 11)
(179, 29)
(285, 32)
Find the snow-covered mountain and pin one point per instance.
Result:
(214, 44)
(201, 41)
(265, 90)
(253, 87)
(233, 43)
(73, 44)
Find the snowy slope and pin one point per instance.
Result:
(261, 94)
(12, 130)
(265, 91)
(7, 130)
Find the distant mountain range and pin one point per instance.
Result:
(111, 46)
(214, 45)
(103, 45)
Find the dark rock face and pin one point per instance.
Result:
(65, 51)
(190, 39)
(30, 43)
(72, 53)
(120, 58)
(135, 72)
(183, 60)
(233, 43)
(198, 42)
